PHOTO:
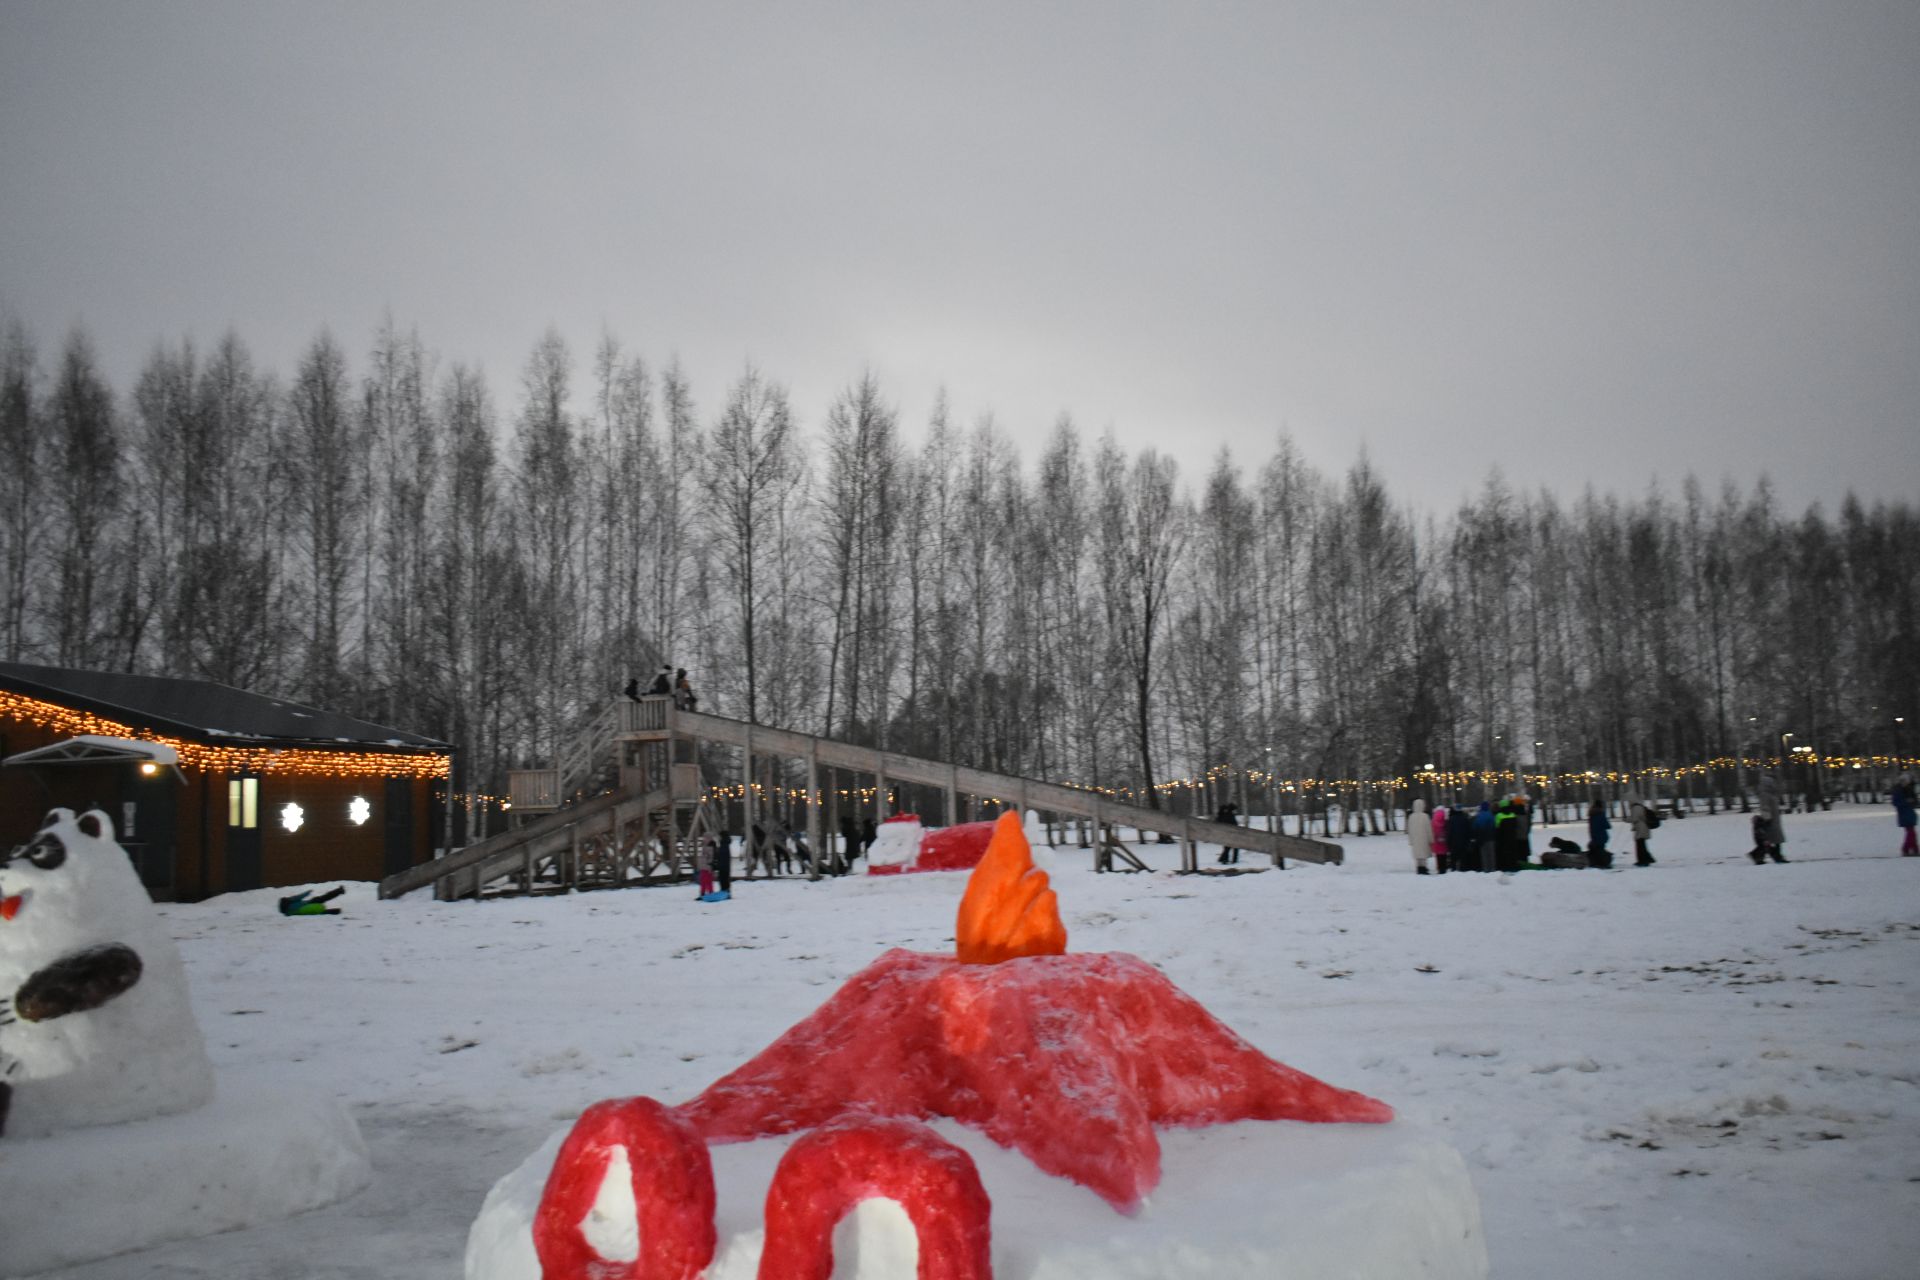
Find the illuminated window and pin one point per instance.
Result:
(243, 802)
(358, 811)
(292, 815)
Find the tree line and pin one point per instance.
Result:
(391, 537)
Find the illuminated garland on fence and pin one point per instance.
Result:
(294, 761)
(1219, 775)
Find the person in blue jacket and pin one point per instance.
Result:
(1484, 831)
(1904, 815)
(1598, 829)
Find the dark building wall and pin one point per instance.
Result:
(182, 839)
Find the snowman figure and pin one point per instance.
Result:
(95, 1024)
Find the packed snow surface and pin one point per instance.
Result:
(1703, 1069)
(255, 1154)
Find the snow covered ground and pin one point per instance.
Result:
(1704, 1069)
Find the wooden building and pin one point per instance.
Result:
(212, 789)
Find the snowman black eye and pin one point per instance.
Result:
(91, 825)
(46, 852)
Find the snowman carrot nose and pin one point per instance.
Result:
(10, 907)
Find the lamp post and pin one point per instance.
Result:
(1546, 804)
(1750, 742)
(1273, 796)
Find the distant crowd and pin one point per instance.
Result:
(1498, 836)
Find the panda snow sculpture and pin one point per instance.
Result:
(95, 1024)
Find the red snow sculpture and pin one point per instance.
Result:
(672, 1195)
(828, 1172)
(1008, 909)
(955, 848)
(1071, 1060)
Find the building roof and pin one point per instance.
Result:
(215, 713)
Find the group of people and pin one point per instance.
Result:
(776, 850)
(671, 680)
(1492, 837)
(1498, 836)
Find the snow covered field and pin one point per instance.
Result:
(1704, 1069)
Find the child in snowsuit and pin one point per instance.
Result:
(308, 903)
(1437, 838)
(706, 866)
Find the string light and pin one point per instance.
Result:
(294, 761)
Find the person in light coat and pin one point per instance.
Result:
(1637, 813)
(1420, 837)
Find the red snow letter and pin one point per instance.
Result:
(672, 1195)
(831, 1170)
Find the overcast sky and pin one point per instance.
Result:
(1587, 242)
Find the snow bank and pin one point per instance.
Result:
(1259, 1200)
(254, 1154)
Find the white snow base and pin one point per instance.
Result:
(1251, 1201)
(254, 1154)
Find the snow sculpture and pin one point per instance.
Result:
(896, 846)
(1070, 1060)
(1074, 1061)
(95, 1024)
(111, 1136)
(903, 844)
(831, 1170)
(672, 1183)
(1008, 910)
(955, 848)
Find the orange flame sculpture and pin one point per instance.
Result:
(1009, 909)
